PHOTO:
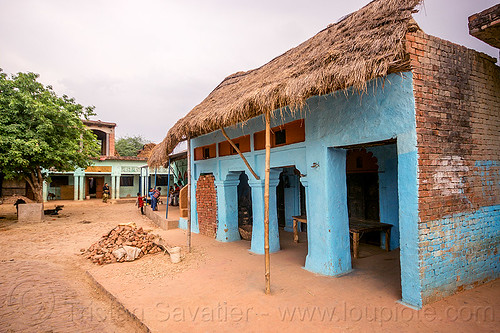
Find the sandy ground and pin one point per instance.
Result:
(42, 274)
(219, 286)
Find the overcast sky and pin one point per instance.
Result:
(145, 63)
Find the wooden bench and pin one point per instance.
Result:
(296, 220)
(357, 227)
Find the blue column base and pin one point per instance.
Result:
(227, 208)
(183, 223)
(328, 268)
(227, 236)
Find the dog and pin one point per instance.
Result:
(17, 203)
(53, 211)
(51, 196)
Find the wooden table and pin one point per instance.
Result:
(357, 227)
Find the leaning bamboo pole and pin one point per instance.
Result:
(239, 153)
(266, 203)
(189, 193)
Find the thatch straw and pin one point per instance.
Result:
(367, 44)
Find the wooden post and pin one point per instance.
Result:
(355, 244)
(189, 194)
(239, 153)
(266, 203)
(295, 231)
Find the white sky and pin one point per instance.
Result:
(146, 63)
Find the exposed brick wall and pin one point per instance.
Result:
(457, 103)
(206, 205)
(112, 144)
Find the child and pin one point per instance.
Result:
(140, 203)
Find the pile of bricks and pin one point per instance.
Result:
(206, 205)
(101, 252)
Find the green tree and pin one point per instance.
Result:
(40, 131)
(130, 145)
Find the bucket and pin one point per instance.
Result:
(175, 254)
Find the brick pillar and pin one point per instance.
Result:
(206, 205)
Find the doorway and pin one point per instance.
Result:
(245, 217)
(94, 186)
(290, 198)
(363, 190)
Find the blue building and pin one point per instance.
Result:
(372, 119)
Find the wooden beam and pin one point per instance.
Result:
(266, 203)
(368, 144)
(239, 153)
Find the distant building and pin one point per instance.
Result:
(125, 175)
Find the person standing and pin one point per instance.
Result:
(140, 203)
(105, 192)
(154, 194)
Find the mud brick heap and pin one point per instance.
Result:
(206, 205)
(101, 252)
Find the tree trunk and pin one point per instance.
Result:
(35, 180)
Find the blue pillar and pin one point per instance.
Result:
(76, 182)
(168, 189)
(44, 191)
(227, 208)
(408, 226)
(328, 222)
(117, 187)
(82, 188)
(113, 185)
(258, 214)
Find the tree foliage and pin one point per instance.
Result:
(130, 145)
(40, 131)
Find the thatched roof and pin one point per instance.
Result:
(146, 150)
(367, 44)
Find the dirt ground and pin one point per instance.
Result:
(217, 287)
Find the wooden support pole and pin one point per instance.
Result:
(266, 203)
(239, 153)
(189, 194)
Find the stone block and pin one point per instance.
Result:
(30, 212)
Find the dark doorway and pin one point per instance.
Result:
(363, 189)
(302, 200)
(244, 201)
(94, 187)
(362, 196)
(101, 140)
(280, 198)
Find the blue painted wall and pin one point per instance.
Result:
(460, 251)
(387, 159)
(385, 111)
